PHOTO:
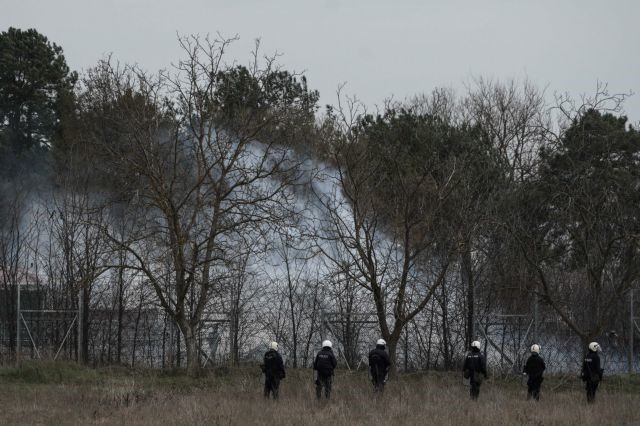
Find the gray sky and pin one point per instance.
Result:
(379, 48)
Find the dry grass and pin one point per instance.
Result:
(51, 395)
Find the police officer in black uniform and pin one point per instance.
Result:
(534, 367)
(324, 365)
(379, 364)
(591, 371)
(475, 369)
(273, 369)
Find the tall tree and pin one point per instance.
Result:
(200, 176)
(388, 229)
(579, 225)
(511, 121)
(35, 89)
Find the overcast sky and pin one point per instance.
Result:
(379, 48)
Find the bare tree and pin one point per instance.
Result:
(76, 255)
(510, 123)
(385, 222)
(206, 172)
(14, 257)
(513, 120)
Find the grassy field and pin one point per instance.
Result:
(39, 393)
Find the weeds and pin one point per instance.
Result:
(37, 393)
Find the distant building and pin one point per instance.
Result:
(32, 297)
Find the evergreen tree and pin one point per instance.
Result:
(35, 90)
(580, 221)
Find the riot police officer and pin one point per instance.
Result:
(533, 368)
(591, 371)
(273, 368)
(379, 364)
(324, 365)
(475, 369)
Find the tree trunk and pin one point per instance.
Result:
(135, 334)
(392, 346)
(467, 281)
(445, 330)
(191, 346)
(86, 294)
(235, 333)
(120, 314)
(406, 349)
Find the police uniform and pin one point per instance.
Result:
(534, 368)
(324, 364)
(475, 369)
(273, 368)
(379, 364)
(591, 374)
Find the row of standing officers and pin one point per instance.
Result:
(324, 366)
(474, 369)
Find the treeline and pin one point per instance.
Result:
(219, 194)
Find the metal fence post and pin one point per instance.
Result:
(18, 348)
(631, 332)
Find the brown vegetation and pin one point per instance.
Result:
(45, 395)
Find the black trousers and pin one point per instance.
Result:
(323, 382)
(533, 387)
(474, 391)
(591, 387)
(271, 386)
(378, 382)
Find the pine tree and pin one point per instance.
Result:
(36, 86)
